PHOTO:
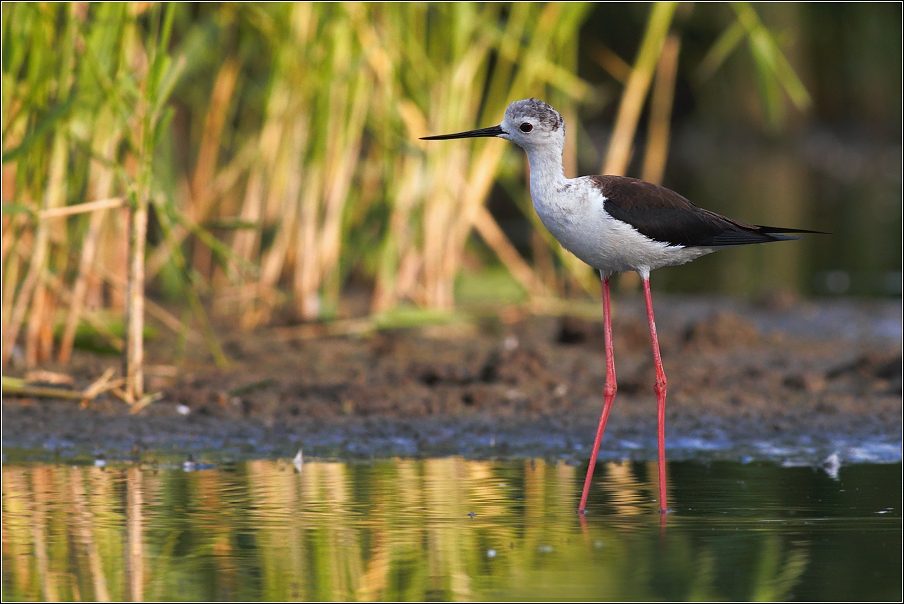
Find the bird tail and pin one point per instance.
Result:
(772, 230)
(781, 233)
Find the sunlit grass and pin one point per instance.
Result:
(267, 155)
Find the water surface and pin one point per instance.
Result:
(448, 529)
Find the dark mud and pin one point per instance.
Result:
(795, 382)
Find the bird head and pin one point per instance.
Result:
(530, 123)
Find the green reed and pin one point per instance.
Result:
(256, 159)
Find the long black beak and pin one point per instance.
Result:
(494, 131)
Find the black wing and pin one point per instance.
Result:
(663, 215)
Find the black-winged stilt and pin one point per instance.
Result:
(615, 224)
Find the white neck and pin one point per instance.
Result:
(547, 177)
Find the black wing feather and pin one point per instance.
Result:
(663, 215)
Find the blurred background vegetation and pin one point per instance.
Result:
(265, 157)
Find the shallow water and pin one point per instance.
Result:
(447, 529)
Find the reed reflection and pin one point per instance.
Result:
(391, 530)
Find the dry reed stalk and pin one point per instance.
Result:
(318, 200)
(156, 74)
(661, 111)
(202, 200)
(220, 99)
(45, 342)
(275, 180)
(390, 283)
(308, 202)
(207, 185)
(33, 327)
(632, 102)
(393, 273)
(102, 186)
(246, 243)
(10, 279)
(614, 65)
(62, 292)
(20, 387)
(113, 254)
(288, 188)
(489, 230)
(342, 155)
(450, 199)
(39, 333)
(13, 226)
(100, 385)
(80, 289)
(481, 178)
(134, 352)
(144, 401)
(306, 274)
(31, 286)
(82, 208)
(41, 318)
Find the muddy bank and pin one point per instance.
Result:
(789, 382)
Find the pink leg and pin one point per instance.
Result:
(608, 392)
(660, 393)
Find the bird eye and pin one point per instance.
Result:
(525, 127)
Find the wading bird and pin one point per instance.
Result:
(615, 224)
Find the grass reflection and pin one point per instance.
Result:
(441, 529)
(84, 529)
